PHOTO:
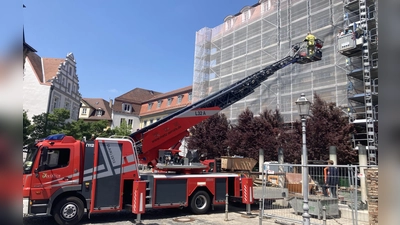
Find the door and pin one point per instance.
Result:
(52, 173)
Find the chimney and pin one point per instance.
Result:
(111, 103)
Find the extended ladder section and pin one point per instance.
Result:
(164, 133)
(366, 64)
(227, 96)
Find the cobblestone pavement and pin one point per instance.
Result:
(236, 216)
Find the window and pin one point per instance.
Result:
(84, 111)
(69, 87)
(265, 6)
(145, 123)
(229, 24)
(169, 101)
(151, 121)
(73, 88)
(67, 105)
(158, 119)
(149, 106)
(130, 122)
(246, 15)
(190, 96)
(63, 81)
(73, 113)
(122, 121)
(180, 99)
(159, 103)
(126, 107)
(56, 103)
(57, 158)
(99, 112)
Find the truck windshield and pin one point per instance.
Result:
(30, 158)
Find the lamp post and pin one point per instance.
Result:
(303, 108)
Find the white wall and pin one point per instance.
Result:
(116, 119)
(35, 96)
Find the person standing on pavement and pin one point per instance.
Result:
(332, 179)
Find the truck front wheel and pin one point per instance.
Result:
(68, 211)
(200, 202)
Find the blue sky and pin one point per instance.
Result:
(124, 44)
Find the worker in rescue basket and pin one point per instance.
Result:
(310, 39)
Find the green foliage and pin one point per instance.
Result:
(45, 124)
(56, 121)
(209, 137)
(123, 129)
(79, 129)
(26, 123)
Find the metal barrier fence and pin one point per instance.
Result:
(343, 203)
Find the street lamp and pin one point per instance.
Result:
(303, 108)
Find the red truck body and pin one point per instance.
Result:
(100, 176)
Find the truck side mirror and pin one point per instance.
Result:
(36, 171)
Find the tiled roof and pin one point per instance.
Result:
(36, 62)
(50, 67)
(164, 107)
(135, 97)
(170, 94)
(96, 103)
(138, 95)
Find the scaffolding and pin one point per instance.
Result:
(258, 36)
(362, 52)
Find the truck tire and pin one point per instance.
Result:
(200, 202)
(68, 211)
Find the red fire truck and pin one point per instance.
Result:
(65, 177)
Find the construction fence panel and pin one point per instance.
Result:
(343, 203)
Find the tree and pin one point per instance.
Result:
(56, 121)
(328, 126)
(243, 137)
(79, 129)
(123, 129)
(270, 133)
(26, 123)
(45, 124)
(209, 136)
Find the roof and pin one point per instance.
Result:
(171, 93)
(96, 103)
(137, 95)
(50, 67)
(36, 62)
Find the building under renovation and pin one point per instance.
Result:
(263, 33)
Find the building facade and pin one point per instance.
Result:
(263, 33)
(50, 83)
(127, 107)
(163, 105)
(95, 109)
